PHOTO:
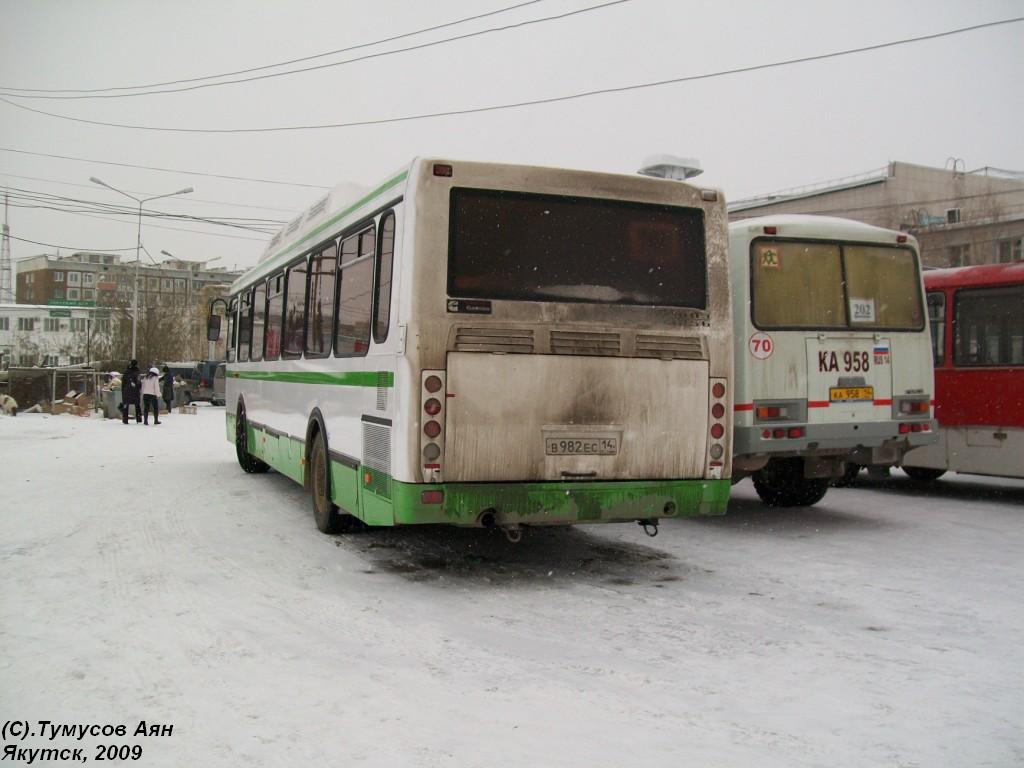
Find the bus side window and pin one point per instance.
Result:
(989, 326)
(294, 311)
(232, 329)
(275, 302)
(244, 326)
(937, 321)
(322, 272)
(259, 309)
(382, 300)
(355, 289)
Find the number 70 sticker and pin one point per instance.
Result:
(761, 346)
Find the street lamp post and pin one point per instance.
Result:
(138, 244)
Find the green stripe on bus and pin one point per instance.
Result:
(340, 379)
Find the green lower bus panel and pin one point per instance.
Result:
(283, 453)
(542, 503)
(377, 499)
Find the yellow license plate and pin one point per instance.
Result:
(851, 394)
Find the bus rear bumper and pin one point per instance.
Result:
(508, 504)
(833, 438)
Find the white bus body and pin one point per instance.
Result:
(555, 347)
(832, 354)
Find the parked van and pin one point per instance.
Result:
(218, 384)
(196, 379)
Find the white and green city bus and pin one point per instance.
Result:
(491, 345)
(833, 356)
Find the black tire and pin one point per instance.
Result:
(246, 460)
(781, 483)
(923, 474)
(849, 476)
(328, 518)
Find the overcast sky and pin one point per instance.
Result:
(755, 132)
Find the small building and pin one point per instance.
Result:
(959, 217)
(48, 336)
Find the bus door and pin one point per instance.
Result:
(849, 379)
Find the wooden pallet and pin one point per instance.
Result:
(187, 409)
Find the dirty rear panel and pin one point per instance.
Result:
(525, 417)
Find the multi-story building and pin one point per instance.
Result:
(959, 217)
(99, 279)
(100, 288)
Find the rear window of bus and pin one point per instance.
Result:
(832, 286)
(528, 247)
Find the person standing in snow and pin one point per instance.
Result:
(130, 391)
(151, 396)
(167, 385)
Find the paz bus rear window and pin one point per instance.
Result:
(528, 247)
(819, 285)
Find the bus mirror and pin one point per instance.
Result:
(213, 328)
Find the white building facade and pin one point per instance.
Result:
(46, 336)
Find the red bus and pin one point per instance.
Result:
(977, 322)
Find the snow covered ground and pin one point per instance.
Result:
(146, 577)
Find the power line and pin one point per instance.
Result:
(280, 63)
(163, 170)
(533, 102)
(181, 200)
(366, 57)
(176, 229)
(70, 248)
(25, 198)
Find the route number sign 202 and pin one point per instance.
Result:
(761, 346)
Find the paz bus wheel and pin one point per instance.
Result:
(246, 460)
(923, 474)
(782, 484)
(329, 519)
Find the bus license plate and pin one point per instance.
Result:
(851, 394)
(568, 445)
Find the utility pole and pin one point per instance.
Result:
(6, 272)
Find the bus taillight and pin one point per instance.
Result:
(432, 398)
(914, 407)
(772, 413)
(717, 409)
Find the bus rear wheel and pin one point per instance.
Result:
(328, 518)
(246, 460)
(781, 483)
(923, 474)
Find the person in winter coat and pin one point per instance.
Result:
(167, 387)
(130, 391)
(151, 396)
